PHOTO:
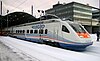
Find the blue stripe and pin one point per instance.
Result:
(80, 47)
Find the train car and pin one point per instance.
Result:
(3, 33)
(51, 29)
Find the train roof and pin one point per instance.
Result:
(49, 16)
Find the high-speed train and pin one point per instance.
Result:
(51, 29)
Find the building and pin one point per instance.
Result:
(96, 14)
(76, 12)
(96, 17)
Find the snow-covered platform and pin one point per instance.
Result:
(7, 54)
(41, 52)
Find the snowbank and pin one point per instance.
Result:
(93, 36)
(7, 54)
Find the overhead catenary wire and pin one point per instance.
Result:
(13, 3)
(19, 5)
(42, 4)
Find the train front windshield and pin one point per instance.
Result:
(81, 32)
(77, 27)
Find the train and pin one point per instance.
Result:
(53, 30)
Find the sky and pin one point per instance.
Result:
(25, 5)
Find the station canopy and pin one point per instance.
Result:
(17, 18)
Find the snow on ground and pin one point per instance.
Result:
(6, 54)
(41, 52)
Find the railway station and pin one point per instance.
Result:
(64, 32)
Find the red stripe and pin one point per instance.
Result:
(50, 38)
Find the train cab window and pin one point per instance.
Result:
(41, 31)
(27, 31)
(46, 31)
(65, 29)
(77, 27)
(35, 31)
(31, 31)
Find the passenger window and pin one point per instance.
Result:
(16, 31)
(41, 31)
(23, 31)
(20, 31)
(27, 31)
(46, 31)
(35, 31)
(31, 31)
(65, 29)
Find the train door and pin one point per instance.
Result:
(56, 30)
(65, 32)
